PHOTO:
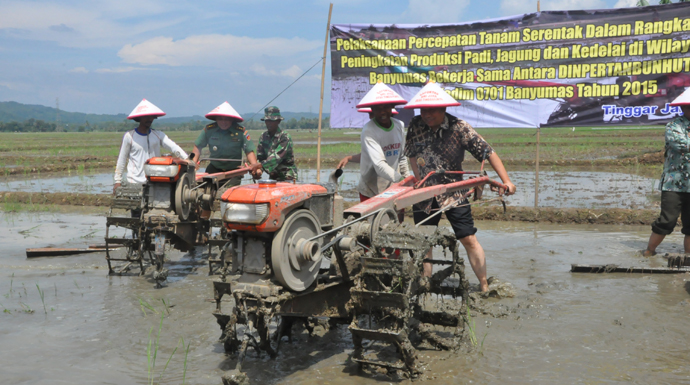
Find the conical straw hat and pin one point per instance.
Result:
(145, 108)
(368, 109)
(682, 100)
(224, 109)
(432, 95)
(380, 94)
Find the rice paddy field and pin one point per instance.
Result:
(23, 152)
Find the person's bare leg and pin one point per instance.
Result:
(475, 253)
(428, 268)
(686, 244)
(654, 241)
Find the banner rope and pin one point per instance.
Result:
(281, 92)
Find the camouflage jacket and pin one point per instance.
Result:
(676, 175)
(275, 154)
(443, 149)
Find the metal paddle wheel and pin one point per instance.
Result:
(167, 213)
(274, 270)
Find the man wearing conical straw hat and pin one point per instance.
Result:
(226, 139)
(675, 179)
(437, 140)
(381, 161)
(142, 143)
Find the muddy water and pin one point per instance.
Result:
(560, 328)
(567, 189)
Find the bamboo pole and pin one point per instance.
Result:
(536, 165)
(323, 76)
(536, 173)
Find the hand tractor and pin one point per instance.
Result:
(276, 270)
(166, 210)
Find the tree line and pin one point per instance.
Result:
(37, 125)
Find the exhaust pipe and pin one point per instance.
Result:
(333, 178)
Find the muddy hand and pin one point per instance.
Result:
(511, 188)
(115, 186)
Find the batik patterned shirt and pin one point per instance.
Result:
(676, 175)
(443, 149)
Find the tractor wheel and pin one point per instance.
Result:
(292, 267)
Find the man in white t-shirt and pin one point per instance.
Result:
(141, 144)
(381, 161)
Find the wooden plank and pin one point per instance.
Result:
(56, 251)
(617, 269)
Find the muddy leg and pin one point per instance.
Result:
(654, 241)
(428, 267)
(475, 253)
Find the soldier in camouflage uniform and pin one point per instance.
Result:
(274, 151)
(675, 180)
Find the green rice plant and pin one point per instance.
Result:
(26, 308)
(80, 169)
(186, 354)
(9, 312)
(11, 283)
(145, 305)
(78, 288)
(152, 354)
(471, 326)
(41, 293)
(166, 306)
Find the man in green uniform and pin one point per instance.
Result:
(226, 139)
(275, 150)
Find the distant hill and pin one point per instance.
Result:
(18, 112)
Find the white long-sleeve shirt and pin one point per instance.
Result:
(137, 149)
(382, 161)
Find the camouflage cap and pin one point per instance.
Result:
(272, 113)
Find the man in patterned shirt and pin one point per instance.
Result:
(274, 151)
(438, 141)
(675, 180)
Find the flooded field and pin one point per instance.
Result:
(87, 327)
(560, 189)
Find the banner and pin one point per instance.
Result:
(558, 68)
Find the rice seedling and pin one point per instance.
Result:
(166, 306)
(26, 308)
(152, 354)
(186, 354)
(41, 293)
(6, 310)
(145, 305)
(471, 326)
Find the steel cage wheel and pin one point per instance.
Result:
(294, 272)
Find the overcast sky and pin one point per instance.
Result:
(187, 57)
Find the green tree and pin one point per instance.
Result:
(642, 3)
(664, 1)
